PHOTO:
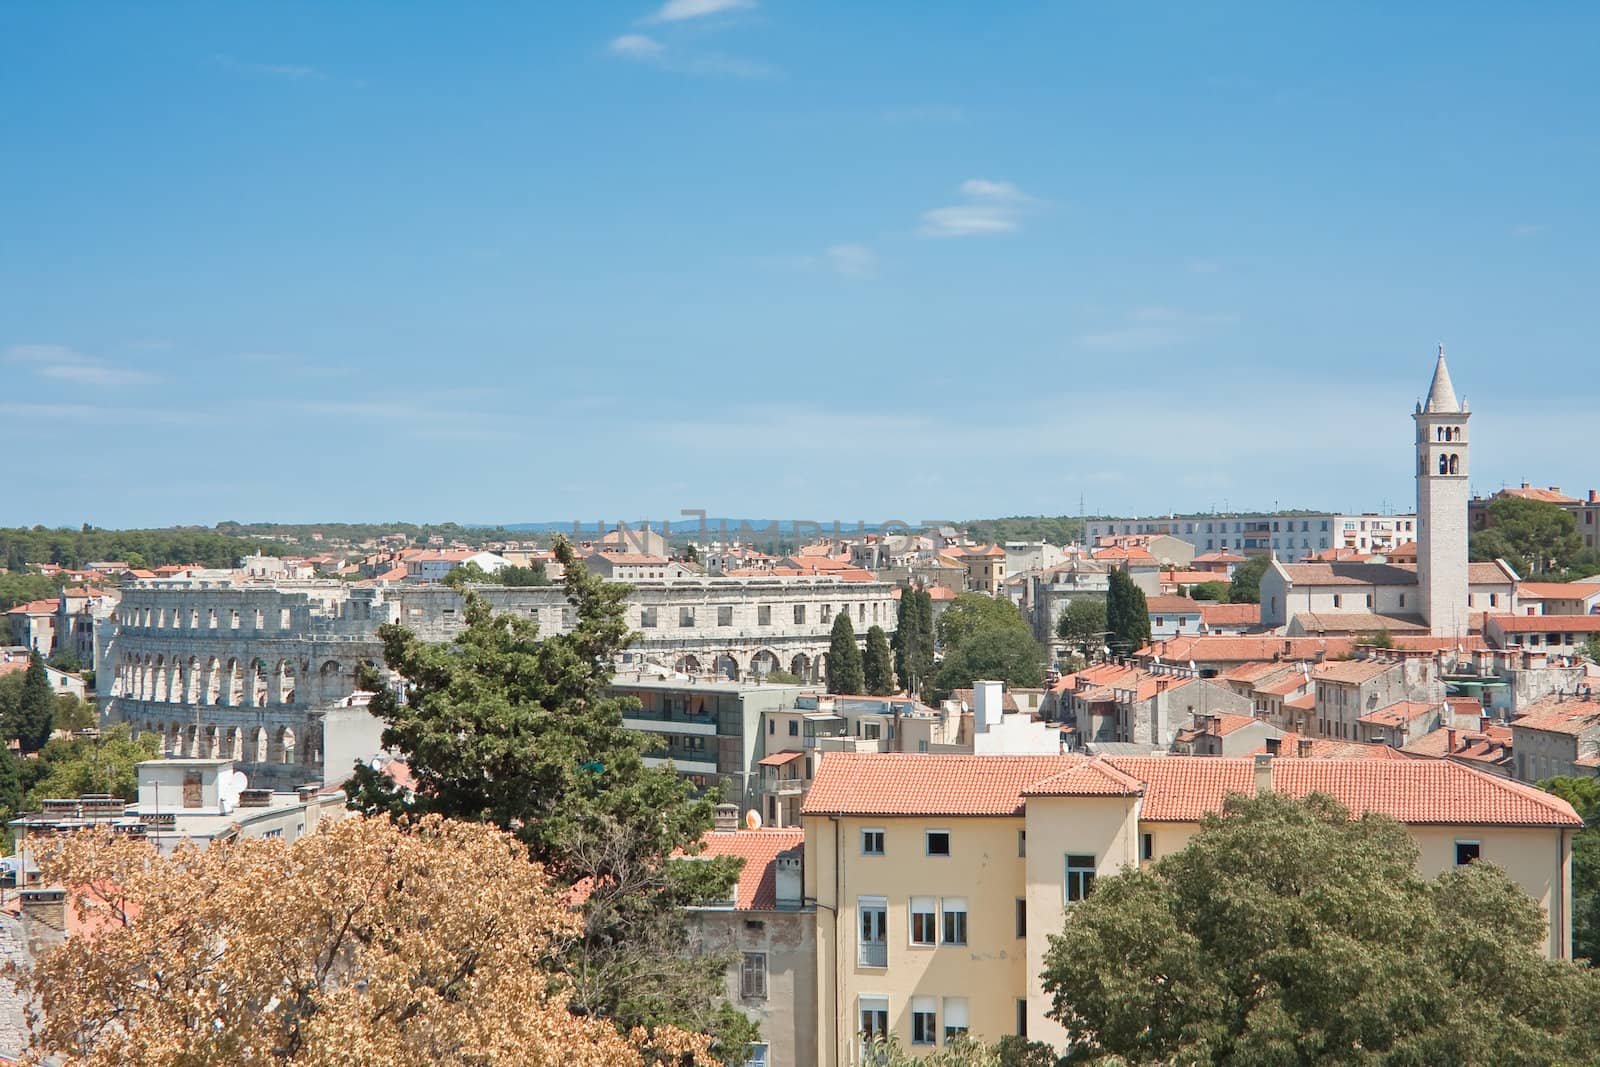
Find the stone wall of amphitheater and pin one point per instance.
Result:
(262, 672)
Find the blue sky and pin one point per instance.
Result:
(504, 262)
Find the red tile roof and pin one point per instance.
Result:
(757, 890)
(1399, 713)
(1523, 624)
(778, 759)
(36, 607)
(1231, 614)
(1560, 715)
(1220, 648)
(1175, 788)
(1557, 590)
(1353, 670)
(1547, 496)
(1172, 605)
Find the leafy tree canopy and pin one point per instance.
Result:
(1083, 625)
(1584, 796)
(1214, 591)
(70, 767)
(1246, 585)
(507, 727)
(971, 612)
(1289, 933)
(377, 943)
(1537, 538)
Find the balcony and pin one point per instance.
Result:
(872, 954)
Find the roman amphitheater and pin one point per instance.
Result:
(264, 672)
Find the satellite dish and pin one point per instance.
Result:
(376, 763)
(229, 788)
(752, 819)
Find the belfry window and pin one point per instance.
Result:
(1454, 462)
(1444, 463)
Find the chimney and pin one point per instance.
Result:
(44, 918)
(790, 878)
(988, 699)
(1450, 740)
(725, 820)
(1594, 496)
(1556, 489)
(1274, 746)
(1263, 773)
(1303, 748)
(1525, 485)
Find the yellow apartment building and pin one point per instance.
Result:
(939, 878)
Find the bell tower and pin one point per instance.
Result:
(1442, 490)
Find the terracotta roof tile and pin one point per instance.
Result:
(1094, 778)
(1231, 614)
(917, 784)
(1172, 605)
(1523, 624)
(1399, 713)
(759, 849)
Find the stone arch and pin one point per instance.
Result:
(687, 664)
(256, 687)
(800, 666)
(191, 690)
(211, 742)
(255, 749)
(311, 745)
(1455, 461)
(765, 661)
(727, 666)
(330, 682)
(211, 682)
(281, 746)
(1444, 463)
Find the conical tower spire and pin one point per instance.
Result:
(1441, 394)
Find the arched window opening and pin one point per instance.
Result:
(1455, 461)
(1444, 463)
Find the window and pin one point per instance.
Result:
(794, 727)
(872, 842)
(873, 950)
(1336, 600)
(1467, 852)
(1147, 846)
(938, 842)
(827, 613)
(686, 616)
(1080, 877)
(954, 911)
(1022, 1017)
(874, 1017)
(756, 1055)
(955, 1018)
(924, 1021)
(772, 727)
(764, 615)
(647, 618)
(725, 615)
(923, 927)
(1402, 600)
(799, 614)
(753, 976)
(1022, 842)
(1022, 917)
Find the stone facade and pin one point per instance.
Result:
(259, 672)
(1442, 493)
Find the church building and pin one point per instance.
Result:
(1442, 594)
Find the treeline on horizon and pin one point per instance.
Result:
(74, 549)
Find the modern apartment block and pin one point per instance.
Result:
(1287, 535)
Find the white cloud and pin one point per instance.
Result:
(63, 364)
(992, 207)
(635, 46)
(285, 71)
(853, 261)
(683, 10)
(984, 189)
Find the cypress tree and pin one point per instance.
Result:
(36, 710)
(845, 673)
(1127, 615)
(876, 665)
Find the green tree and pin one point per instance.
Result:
(466, 574)
(846, 673)
(10, 791)
(1006, 654)
(1246, 585)
(65, 659)
(1083, 625)
(691, 553)
(522, 577)
(70, 767)
(1584, 796)
(73, 715)
(913, 638)
(1535, 537)
(1289, 933)
(1214, 591)
(1127, 616)
(33, 716)
(1591, 648)
(971, 612)
(505, 726)
(877, 663)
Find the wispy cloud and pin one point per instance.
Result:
(1154, 326)
(635, 46)
(853, 261)
(63, 364)
(989, 207)
(285, 71)
(685, 10)
(1528, 229)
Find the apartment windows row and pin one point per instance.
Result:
(934, 842)
(932, 922)
(926, 1015)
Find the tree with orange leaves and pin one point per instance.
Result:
(367, 942)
